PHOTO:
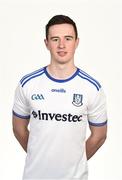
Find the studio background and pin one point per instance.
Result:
(22, 50)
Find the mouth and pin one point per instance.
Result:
(61, 53)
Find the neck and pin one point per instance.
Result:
(61, 71)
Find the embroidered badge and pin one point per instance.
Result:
(77, 100)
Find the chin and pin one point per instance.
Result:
(62, 61)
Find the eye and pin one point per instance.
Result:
(55, 39)
(68, 38)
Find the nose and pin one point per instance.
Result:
(61, 43)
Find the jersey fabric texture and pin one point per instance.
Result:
(59, 111)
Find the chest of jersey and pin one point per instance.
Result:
(58, 101)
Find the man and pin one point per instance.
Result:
(58, 101)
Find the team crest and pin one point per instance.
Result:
(77, 100)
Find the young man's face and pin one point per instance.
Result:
(62, 43)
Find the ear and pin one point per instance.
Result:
(46, 43)
(77, 42)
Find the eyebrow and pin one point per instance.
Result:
(67, 36)
(54, 37)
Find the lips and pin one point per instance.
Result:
(62, 53)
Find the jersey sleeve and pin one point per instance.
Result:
(21, 106)
(97, 112)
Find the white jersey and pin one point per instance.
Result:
(58, 111)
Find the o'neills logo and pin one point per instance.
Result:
(56, 116)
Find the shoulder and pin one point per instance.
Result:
(89, 80)
(26, 78)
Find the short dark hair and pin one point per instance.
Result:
(61, 19)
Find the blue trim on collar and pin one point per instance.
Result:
(60, 80)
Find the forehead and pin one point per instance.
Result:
(61, 30)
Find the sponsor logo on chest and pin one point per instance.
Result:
(56, 116)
